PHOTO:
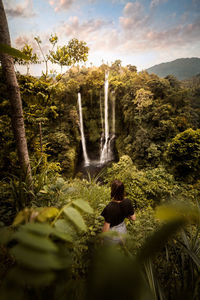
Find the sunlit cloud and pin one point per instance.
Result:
(176, 37)
(60, 5)
(21, 10)
(134, 17)
(87, 30)
(21, 40)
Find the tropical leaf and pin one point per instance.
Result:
(34, 259)
(75, 217)
(83, 205)
(63, 236)
(5, 235)
(29, 277)
(172, 212)
(41, 229)
(47, 213)
(158, 240)
(35, 241)
(12, 51)
(19, 219)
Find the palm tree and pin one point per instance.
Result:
(17, 118)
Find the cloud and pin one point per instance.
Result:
(23, 10)
(155, 3)
(61, 4)
(134, 17)
(136, 33)
(21, 40)
(88, 30)
(177, 37)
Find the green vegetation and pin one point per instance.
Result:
(51, 241)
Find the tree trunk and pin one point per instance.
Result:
(17, 118)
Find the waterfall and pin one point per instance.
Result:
(86, 159)
(106, 109)
(106, 153)
(113, 115)
(102, 124)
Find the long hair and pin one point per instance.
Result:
(117, 190)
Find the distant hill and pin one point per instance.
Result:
(182, 68)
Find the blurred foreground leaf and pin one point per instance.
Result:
(75, 217)
(83, 205)
(35, 259)
(35, 241)
(12, 51)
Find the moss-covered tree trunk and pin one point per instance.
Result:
(17, 118)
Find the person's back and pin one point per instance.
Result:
(117, 210)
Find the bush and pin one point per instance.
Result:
(144, 188)
(183, 155)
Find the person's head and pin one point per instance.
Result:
(117, 190)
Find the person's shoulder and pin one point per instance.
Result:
(127, 200)
(109, 205)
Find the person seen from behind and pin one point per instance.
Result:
(116, 211)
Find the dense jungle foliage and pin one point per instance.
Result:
(51, 241)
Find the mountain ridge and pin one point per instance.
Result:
(181, 68)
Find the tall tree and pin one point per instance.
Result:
(17, 118)
(53, 40)
(31, 58)
(74, 52)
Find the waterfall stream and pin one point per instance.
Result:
(106, 152)
(107, 138)
(113, 115)
(85, 156)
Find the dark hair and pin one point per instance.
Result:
(117, 190)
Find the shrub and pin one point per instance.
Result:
(183, 155)
(143, 187)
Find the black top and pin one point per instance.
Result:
(115, 212)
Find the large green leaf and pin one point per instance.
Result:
(83, 205)
(75, 217)
(19, 219)
(62, 235)
(173, 212)
(35, 259)
(35, 241)
(12, 51)
(63, 226)
(158, 239)
(5, 235)
(42, 229)
(47, 213)
(31, 277)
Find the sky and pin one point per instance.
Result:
(141, 33)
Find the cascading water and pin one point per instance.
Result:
(85, 156)
(113, 115)
(106, 153)
(102, 124)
